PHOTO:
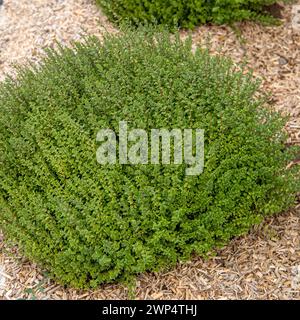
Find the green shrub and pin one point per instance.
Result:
(89, 223)
(187, 13)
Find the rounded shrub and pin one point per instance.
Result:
(89, 223)
(187, 13)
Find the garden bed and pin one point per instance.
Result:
(273, 249)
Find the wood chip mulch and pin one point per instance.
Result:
(264, 264)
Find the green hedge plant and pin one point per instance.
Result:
(88, 223)
(187, 13)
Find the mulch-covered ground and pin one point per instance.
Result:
(265, 264)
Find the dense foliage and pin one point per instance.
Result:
(89, 223)
(187, 13)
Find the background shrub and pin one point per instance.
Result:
(187, 13)
(89, 224)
